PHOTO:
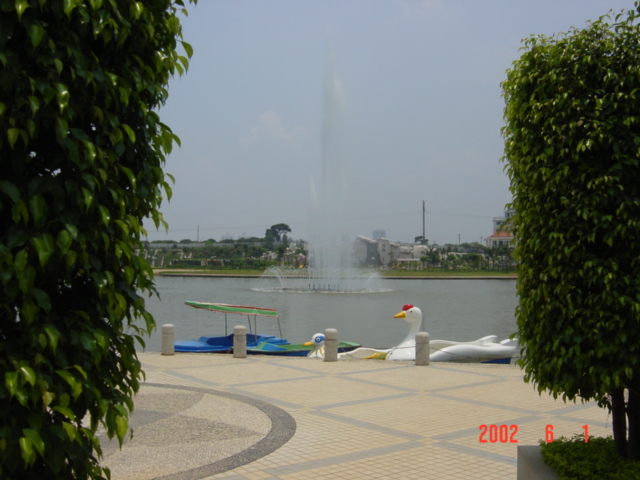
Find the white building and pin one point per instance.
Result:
(500, 223)
(501, 230)
(368, 252)
(499, 238)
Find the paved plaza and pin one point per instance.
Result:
(212, 416)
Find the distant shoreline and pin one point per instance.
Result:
(195, 273)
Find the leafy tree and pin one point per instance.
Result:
(473, 260)
(433, 257)
(572, 139)
(275, 233)
(421, 240)
(81, 154)
(281, 250)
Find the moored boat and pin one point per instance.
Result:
(483, 350)
(224, 343)
(295, 349)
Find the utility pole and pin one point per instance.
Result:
(424, 217)
(198, 235)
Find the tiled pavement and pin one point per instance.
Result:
(212, 416)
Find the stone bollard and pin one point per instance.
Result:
(239, 341)
(330, 345)
(423, 352)
(168, 347)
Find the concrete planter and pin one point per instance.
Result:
(531, 466)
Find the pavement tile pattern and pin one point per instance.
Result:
(212, 416)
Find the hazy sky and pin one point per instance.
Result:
(421, 80)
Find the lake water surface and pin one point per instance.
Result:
(453, 309)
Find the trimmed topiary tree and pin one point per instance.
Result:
(81, 157)
(572, 147)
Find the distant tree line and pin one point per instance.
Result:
(465, 257)
(245, 252)
(277, 248)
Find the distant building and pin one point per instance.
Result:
(501, 223)
(379, 234)
(382, 252)
(500, 238)
(502, 234)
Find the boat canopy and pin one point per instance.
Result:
(238, 310)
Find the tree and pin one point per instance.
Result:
(81, 153)
(274, 234)
(572, 140)
(433, 258)
(473, 260)
(421, 240)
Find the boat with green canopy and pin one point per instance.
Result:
(224, 344)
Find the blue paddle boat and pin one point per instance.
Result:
(224, 344)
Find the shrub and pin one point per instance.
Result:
(81, 155)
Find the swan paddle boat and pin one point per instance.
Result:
(224, 344)
(483, 350)
(313, 348)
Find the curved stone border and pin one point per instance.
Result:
(283, 427)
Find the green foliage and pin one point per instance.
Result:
(276, 233)
(572, 140)
(573, 459)
(81, 156)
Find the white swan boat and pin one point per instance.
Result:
(483, 350)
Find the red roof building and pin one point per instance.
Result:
(499, 238)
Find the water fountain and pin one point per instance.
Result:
(330, 263)
(339, 280)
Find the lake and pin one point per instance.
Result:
(453, 309)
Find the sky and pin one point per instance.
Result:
(421, 82)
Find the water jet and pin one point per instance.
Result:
(330, 262)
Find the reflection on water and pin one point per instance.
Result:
(460, 310)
